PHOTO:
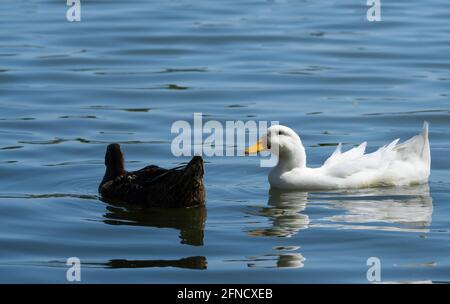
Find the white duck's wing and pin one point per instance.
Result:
(339, 157)
(344, 165)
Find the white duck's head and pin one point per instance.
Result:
(284, 143)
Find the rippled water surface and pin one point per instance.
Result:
(129, 69)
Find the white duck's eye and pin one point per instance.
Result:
(280, 132)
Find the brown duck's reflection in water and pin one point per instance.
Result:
(190, 221)
(194, 262)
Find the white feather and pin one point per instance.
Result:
(393, 164)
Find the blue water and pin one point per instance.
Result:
(129, 69)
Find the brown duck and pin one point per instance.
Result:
(152, 186)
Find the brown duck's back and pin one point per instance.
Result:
(154, 186)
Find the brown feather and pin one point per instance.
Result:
(153, 186)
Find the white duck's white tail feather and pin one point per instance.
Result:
(425, 128)
(417, 146)
(426, 147)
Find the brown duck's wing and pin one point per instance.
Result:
(150, 172)
(162, 175)
(133, 187)
(179, 187)
(130, 187)
(155, 186)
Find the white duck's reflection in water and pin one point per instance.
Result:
(284, 212)
(400, 209)
(280, 257)
(403, 209)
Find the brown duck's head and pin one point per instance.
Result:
(114, 158)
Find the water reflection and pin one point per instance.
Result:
(194, 262)
(406, 209)
(284, 213)
(280, 258)
(403, 209)
(400, 209)
(190, 221)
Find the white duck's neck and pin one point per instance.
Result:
(292, 158)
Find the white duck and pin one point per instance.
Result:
(396, 164)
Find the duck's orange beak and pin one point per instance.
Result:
(258, 147)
